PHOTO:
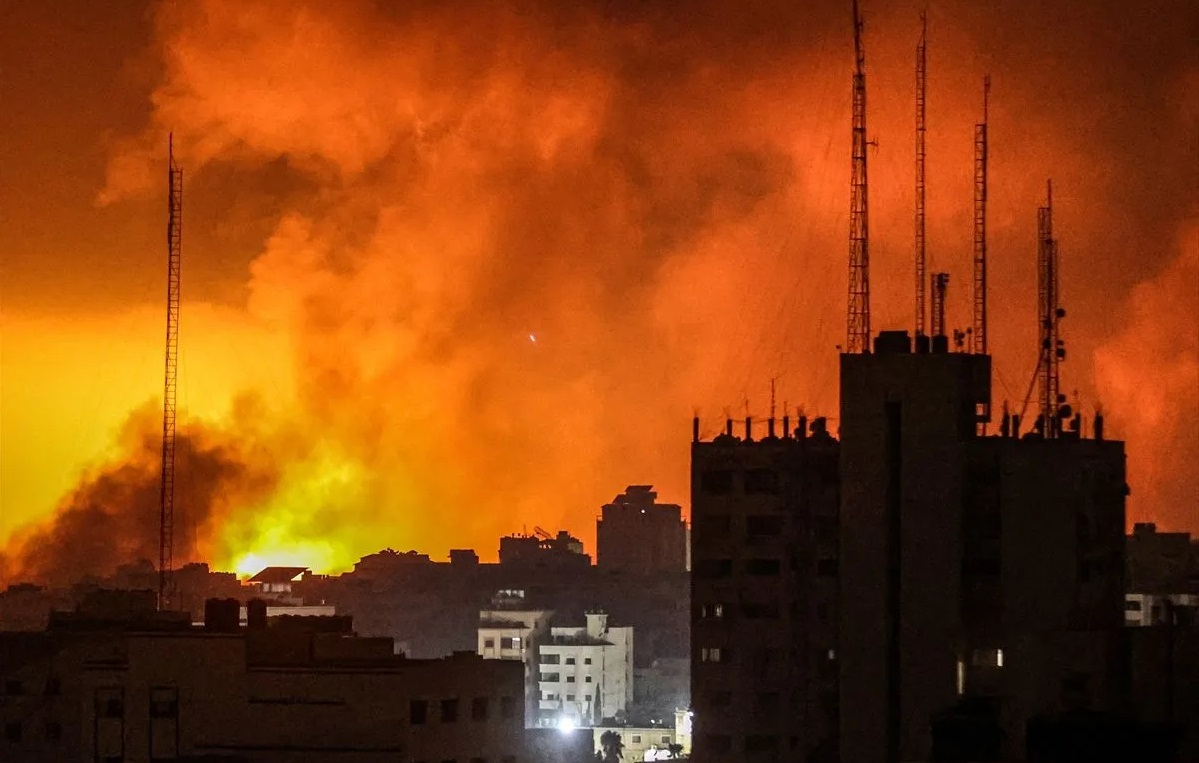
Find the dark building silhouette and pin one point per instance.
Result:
(636, 534)
(543, 551)
(972, 567)
(763, 595)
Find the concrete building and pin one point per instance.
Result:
(586, 674)
(971, 567)
(562, 552)
(636, 534)
(150, 688)
(509, 630)
(763, 594)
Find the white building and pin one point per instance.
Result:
(1143, 609)
(511, 631)
(586, 674)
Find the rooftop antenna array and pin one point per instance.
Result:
(166, 513)
(858, 314)
(1052, 349)
(921, 64)
(979, 335)
(940, 286)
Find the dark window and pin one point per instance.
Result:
(510, 643)
(164, 703)
(12, 731)
(478, 709)
(551, 677)
(713, 569)
(586, 660)
(113, 707)
(570, 679)
(716, 481)
(761, 742)
(53, 731)
(587, 679)
(418, 712)
(721, 743)
(449, 710)
(13, 686)
(761, 481)
(489, 643)
(762, 566)
(1132, 606)
(716, 524)
(550, 659)
(570, 660)
(570, 698)
(636, 739)
(826, 568)
(507, 708)
(766, 526)
(760, 610)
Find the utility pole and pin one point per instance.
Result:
(921, 64)
(858, 314)
(166, 515)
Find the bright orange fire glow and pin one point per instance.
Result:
(455, 269)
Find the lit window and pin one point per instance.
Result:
(711, 654)
(999, 658)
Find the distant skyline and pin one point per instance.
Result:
(455, 269)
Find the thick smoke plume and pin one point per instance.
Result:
(522, 241)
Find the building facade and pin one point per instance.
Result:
(635, 534)
(763, 594)
(586, 674)
(511, 631)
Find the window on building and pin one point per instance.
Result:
(14, 687)
(761, 481)
(763, 567)
(12, 731)
(716, 481)
(489, 643)
(53, 731)
(570, 679)
(826, 567)
(570, 660)
(636, 739)
(711, 611)
(760, 610)
(478, 709)
(418, 712)
(551, 677)
(110, 703)
(767, 701)
(587, 679)
(717, 525)
(449, 710)
(761, 742)
(1132, 605)
(764, 526)
(164, 702)
(586, 660)
(507, 708)
(713, 654)
(510, 642)
(587, 697)
(570, 698)
(551, 659)
(713, 569)
(665, 740)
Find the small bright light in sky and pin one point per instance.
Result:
(533, 338)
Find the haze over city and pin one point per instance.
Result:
(451, 270)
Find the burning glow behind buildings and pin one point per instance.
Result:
(456, 268)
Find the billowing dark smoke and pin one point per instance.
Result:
(520, 242)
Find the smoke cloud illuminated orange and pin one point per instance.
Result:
(659, 194)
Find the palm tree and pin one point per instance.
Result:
(676, 750)
(612, 746)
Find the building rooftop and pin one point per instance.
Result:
(277, 575)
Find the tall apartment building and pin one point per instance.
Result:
(635, 534)
(763, 594)
(985, 567)
(586, 674)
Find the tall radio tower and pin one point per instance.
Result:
(921, 64)
(166, 515)
(858, 314)
(1050, 312)
(980, 227)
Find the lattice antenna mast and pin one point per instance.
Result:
(980, 227)
(1050, 313)
(166, 515)
(940, 286)
(858, 317)
(921, 64)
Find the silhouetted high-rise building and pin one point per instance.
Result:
(973, 568)
(763, 595)
(638, 535)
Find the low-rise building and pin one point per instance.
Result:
(586, 674)
(297, 690)
(510, 630)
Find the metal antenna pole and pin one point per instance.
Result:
(921, 64)
(858, 317)
(980, 227)
(940, 286)
(166, 516)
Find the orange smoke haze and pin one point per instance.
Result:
(499, 254)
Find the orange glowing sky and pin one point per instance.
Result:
(384, 201)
